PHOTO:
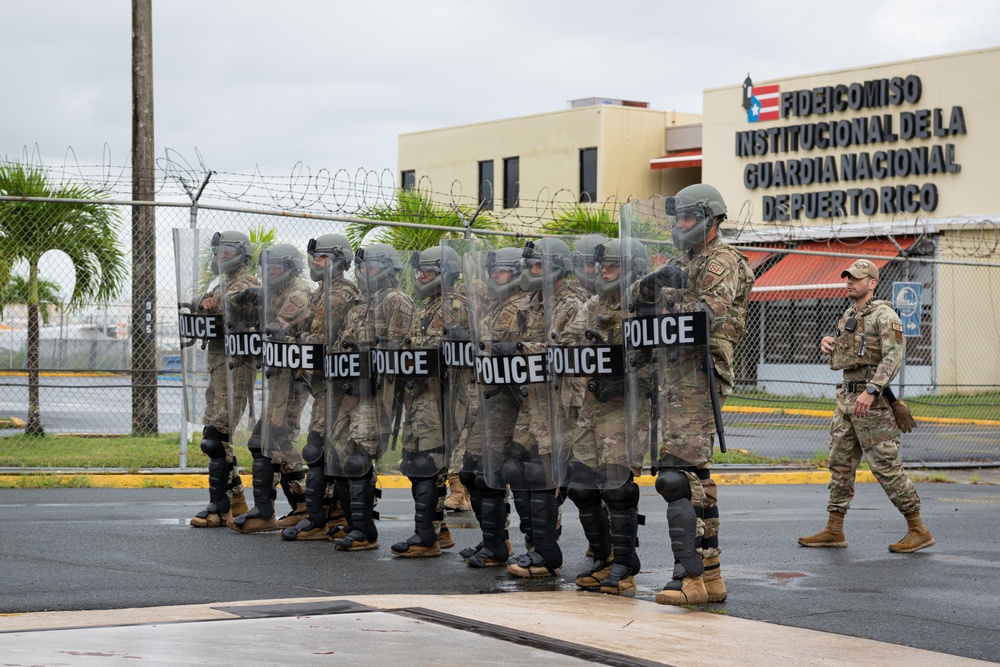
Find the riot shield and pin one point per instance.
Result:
(244, 352)
(587, 364)
(288, 362)
(497, 318)
(200, 331)
(429, 430)
(668, 397)
(370, 400)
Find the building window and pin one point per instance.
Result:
(486, 184)
(511, 181)
(588, 175)
(408, 179)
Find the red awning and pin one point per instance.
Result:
(677, 159)
(757, 257)
(817, 276)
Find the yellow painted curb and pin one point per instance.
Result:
(827, 414)
(56, 374)
(12, 422)
(200, 481)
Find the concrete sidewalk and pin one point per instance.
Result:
(557, 628)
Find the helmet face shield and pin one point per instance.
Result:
(620, 262)
(230, 251)
(689, 221)
(503, 271)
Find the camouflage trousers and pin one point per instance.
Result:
(217, 407)
(876, 438)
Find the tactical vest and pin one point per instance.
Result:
(863, 346)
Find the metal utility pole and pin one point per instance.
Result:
(145, 408)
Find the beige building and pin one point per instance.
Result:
(586, 153)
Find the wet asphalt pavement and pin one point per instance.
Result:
(73, 549)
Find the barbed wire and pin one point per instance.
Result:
(354, 193)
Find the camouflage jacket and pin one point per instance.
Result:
(325, 327)
(873, 352)
(384, 315)
(239, 280)
(288, 312)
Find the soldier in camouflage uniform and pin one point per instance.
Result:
(231, 253)
(501, 306)
(869, 349)
(712, 277)
(429, 400)
(273, 439)
(601, 481)
(530, 456)
(380, 316)
(330, 255)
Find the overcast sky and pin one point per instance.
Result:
(331, 84)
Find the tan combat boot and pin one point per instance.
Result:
(715, 587)
(599, 570)
(238, 504)
(916, 538)
(293, 517)
(445, 539)
(831, 536)
(458, 500)
(690, 590)
(211, 519)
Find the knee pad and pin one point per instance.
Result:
(212, 447)
(419, 465)
(468, 480)
(513, 473)
(314, 451)
(623, 497)
(673, 485)
(580, 476)
(584, 497)
(255, 451)
(356, 466)
(536, 475)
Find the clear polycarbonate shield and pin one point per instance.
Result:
(200, 329)
(288, 362)
(398, 370)
(519, 446)
(351, 419)
(669, 414)
(586, 362)
(240, 293)
(425, 400)
(459, 352)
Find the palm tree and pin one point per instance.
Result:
(414, 207)
(17, 295)
(578, 220)
(87, 232)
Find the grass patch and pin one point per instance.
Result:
(985, 405)
(935, 477)
(974, 479)
(48, 482)
(125, 451)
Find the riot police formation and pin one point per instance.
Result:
(283, 302)
(224, 401)
(593, 359)
(599, 472)
(371, 401)
(684, 319)
(430, 392)
(329, 256)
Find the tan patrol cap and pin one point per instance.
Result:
(860, 269)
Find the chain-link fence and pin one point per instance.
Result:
(82, 380)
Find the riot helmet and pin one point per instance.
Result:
(280, 264)
(230, 251)
(377, 264)
(583, 259)
(334, 246)
(617, 261)
(441, 261)
(503, 271)
(553, 257)
(693, 212)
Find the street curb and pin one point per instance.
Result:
(200, 481)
